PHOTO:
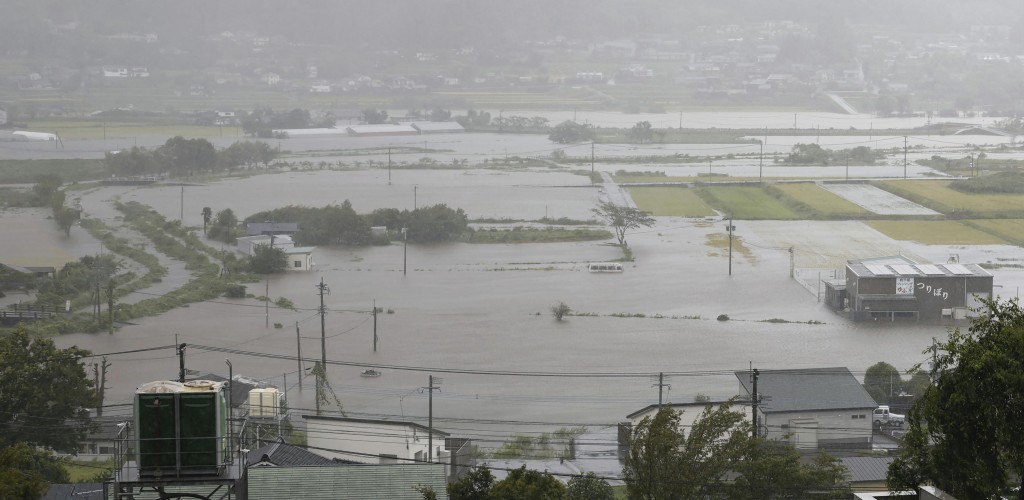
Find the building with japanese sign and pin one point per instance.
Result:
(897, 287)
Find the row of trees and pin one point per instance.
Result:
(479, 484)
(813, 154)
(341, 225)
(180, 156)
(262, 121)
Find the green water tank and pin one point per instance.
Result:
(181, 428)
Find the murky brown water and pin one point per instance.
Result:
(486, 307)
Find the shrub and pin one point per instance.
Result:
(723, 317)
(235, 291)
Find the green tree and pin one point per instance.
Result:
(623, 218)
(268, 260)
(27, 472)
(436, 223)
(375, 116)
(207, 216)
(559, 310)
(589, 487)
(772, 470)
(66, 219)
(642, 132)
(965, 434)
(475, 485)
(570, 132)
(883, 382)
(525, 483)
(664, 462)
(45, 395)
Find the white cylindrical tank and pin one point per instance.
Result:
(264, 403)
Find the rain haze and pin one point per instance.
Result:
(775, 155)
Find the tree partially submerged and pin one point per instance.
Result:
(623, 218)
(965, 434)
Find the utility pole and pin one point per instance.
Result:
(709, 169)
(753, 400)
(591, 162)
(731, 228)
(904, 157)
(430, 416)
(405, 250)
(760, 166)
(298, 349)
(323, 344)
(661, 385)
(99, 372)
(389, 166)
(791, 263)
(414, 188)
(266, 303)
(847, 166)
(181, 217)
(181, 362)
(374, 325)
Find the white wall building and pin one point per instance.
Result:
(374, 441)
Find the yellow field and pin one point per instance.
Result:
(670, 201)
(936, 232)
(940, 192)
(821, 200)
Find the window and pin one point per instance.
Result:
(298, 263)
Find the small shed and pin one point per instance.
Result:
(300, 258)
(438, 127)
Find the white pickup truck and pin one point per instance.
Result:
(884, 417)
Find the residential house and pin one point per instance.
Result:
(247, 244)
(300, 258)
(375, 441)
(287, 228)
(812, 408)
(867, 473)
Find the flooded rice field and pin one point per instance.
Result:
(478, 316)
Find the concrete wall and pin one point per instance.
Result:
(835, 428)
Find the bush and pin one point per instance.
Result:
(723, 317)
(235, 291)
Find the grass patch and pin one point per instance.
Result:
(535, 235)
(720, 241)
(670, 201)
(935, 232)
(746, 202)
(82, 471)
(822, 202)
(1010, 230)
(28, 171)
(939, 196)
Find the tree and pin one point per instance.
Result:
(27, 472)
(965, 434)
(268, 260)
(589, 487)
(475, 485)
(525, 483)
(560, 310)
(623, 218)
(45, 395)
(666, 463)
(570, 131)
(642, 132)
(65, 218)
(207, 215)
(772, 470)
(375, 116)
(883, 382)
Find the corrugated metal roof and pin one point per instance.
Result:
(286, 455)
(350, 482)
(808, 389)
(863, 469)
(890, 266)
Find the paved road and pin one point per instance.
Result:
(615, 194)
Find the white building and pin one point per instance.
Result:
(300, 258)
(374, 441)
(248, 244)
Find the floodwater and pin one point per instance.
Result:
(478, 315)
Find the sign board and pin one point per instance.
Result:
(904, 286)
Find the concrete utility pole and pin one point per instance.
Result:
(661, 385)
(430, 415)
(730, 228)
(322, 375)
(298, 360)
(389, 166)
(904, 157)
(753, 400)
(374, 325)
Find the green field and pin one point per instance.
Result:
(938, 196)
(746, 202)
(77, 130)
(1011, 230)
(821, 201)
(935, 232)
(670, 201)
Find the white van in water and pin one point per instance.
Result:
(604, 267)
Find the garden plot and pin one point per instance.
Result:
(877, 200)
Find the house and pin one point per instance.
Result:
(247, 244)
(375, 441)
(100, 442)
(811, 408)
(255, 228)
(382, 129)
(282, 454)
(894, 287)
(270, 78)
(867, 473)
(300, 258)
(438, 127)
